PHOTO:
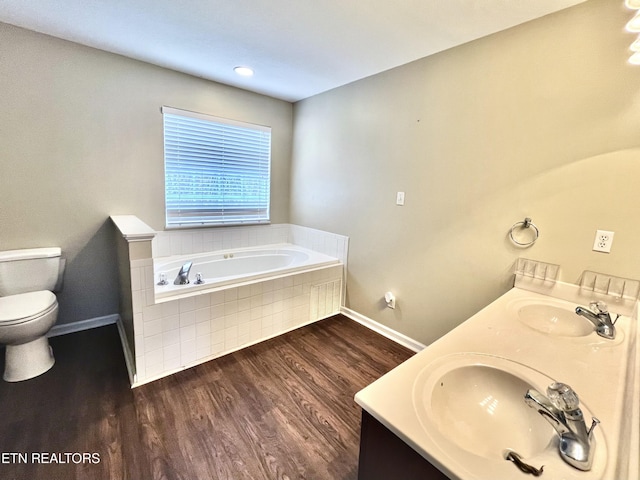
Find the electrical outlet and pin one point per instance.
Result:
(603, 241)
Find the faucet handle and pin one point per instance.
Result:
(563, 397)
(599, 307)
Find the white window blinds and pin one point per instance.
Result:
(217, 171)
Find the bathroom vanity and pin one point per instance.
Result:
(457, 408)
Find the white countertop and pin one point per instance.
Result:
(595, 367)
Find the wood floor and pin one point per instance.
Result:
(282, 409)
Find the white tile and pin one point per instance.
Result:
(153, 327)
(230, 333)
(217, 311)
(172, 363)
(170, 308)
(154, 357)
(202, 301)
(186, 243)
(230, 320)
(256, 289)
(188, 318)
(231, 307)
(136, 279)
(244, 291)
(148, 279)
(149, 297)
(244, 316)
(138, 343)
(138, 322)
(203, 328)
(188, 353)
(217, 324)
(203, 342)
(230, 295)
(198, 242)
(153, 342)
(187, 304)
(170, 323)
(203, 315)
(172, 351)
(217, 298)
(243, 340)
(244, 328)
(175, 241)
(217, 347)
(256, 313)
(171, 337)
(187, 333)
(154, 369)
(137, 300)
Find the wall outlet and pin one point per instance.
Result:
(603, 241)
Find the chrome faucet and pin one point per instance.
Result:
(183, 274)
(601, 319)
(561, 409)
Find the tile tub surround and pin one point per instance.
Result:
(177, 334)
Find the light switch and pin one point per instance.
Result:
(400, 198)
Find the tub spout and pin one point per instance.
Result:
(183, 274)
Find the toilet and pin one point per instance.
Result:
(28, 309)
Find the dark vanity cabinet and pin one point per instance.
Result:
(383, 456)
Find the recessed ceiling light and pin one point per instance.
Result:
(244, 71)
(635, 59)
(633, 4)
(635, 46)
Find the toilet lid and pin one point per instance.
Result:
(21, 307)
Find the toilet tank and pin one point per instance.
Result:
(29, 270)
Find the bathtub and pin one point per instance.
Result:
(235, 267)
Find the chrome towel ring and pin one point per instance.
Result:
(525, 224)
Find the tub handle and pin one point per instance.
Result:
(199, 280)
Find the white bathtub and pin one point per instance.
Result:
(229, 268)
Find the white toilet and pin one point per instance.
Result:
(28, 309)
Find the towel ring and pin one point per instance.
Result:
(526, 223)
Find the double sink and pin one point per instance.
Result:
(460, 402)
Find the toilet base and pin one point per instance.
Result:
(27, 360)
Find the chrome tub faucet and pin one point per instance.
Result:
(599, 316)
(561, 409)
(183, 274)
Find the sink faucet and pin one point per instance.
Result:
(561, 409)
(601, 319)
(183, 274)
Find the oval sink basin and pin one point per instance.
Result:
(558, 318)
(477, 403)
(472, 406)
(554, 320)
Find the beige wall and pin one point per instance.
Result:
(81, 139)
(542, 120)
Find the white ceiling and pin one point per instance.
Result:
(298, 48)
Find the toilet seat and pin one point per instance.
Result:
(23, 307)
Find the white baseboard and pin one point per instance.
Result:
(128, 355)
(391, 334)
(73, 327)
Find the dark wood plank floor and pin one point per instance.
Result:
(282, 409)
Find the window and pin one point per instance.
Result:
(217, 171)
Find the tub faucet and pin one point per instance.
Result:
(183, 274)
(561, 409)
(601, 319)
